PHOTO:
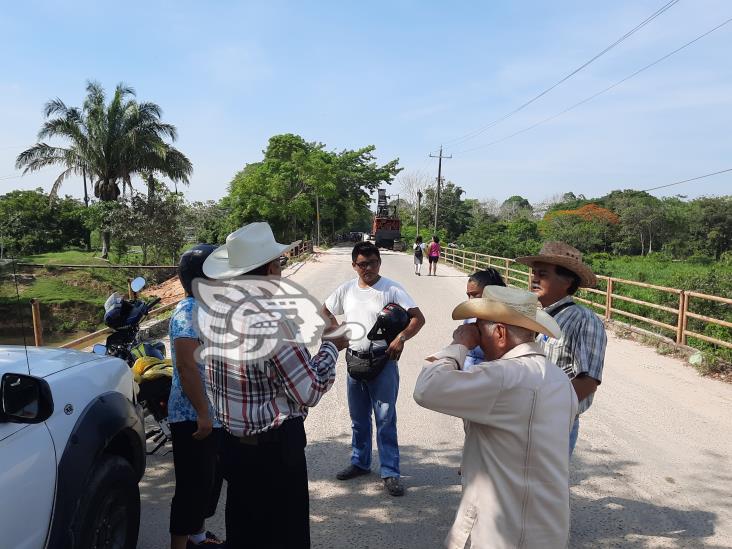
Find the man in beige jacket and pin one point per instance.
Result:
(518, 409)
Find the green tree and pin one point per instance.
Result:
(209, 221)
(516, 206)
(453, 213)
(711, 225)
(31, 222)
(156, 224)
(109, 142)
(296, 178)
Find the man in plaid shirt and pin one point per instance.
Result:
(557, 273)
(262, 403)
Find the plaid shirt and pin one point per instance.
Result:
(581, 347)
(256, 396)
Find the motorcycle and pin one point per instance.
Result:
(151, 370)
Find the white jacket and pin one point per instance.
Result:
(519, 411)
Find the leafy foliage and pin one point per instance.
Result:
(297, 177)
(30, 223)
(109, 142)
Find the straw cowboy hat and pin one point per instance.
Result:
(509, 306)
(559, 253)
(247, 248)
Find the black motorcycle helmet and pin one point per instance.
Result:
(389, 324)
(190, 266)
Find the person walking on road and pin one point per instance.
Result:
(518, 409)
(433, 254)
(361, 300)
(195, 433)
(557, 273)
(474, 289)
(262, 403)
(418, 247)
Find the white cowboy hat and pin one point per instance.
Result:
(247, 248)
(509, 306)
(559, 253)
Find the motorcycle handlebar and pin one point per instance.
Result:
(152, 303)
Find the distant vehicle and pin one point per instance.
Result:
(72, 450)
(386, 227)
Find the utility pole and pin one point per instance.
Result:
(317, 217)
(439, 182)
(419, 200)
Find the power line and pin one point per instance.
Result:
(475, 133)
(687, 180)
(593, 96)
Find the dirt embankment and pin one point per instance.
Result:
(169, 291)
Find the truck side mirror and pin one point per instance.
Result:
(25, 399)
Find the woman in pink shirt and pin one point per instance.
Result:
(433, 254)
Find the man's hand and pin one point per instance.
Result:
(467, 334)
(395, 348)
(336, 335)
(205, 426)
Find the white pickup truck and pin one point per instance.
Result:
(72, 450)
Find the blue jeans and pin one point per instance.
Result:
(379, 395)
(573, 434)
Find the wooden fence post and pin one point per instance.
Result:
(37, 326)
(508, 281)
(609, 299)
(130, 293)
(681, 326)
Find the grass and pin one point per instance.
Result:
(700, 275)
(71, 299)
(58, 290)
(656, 270)
(68, 257)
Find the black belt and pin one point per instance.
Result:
(364, 355)
(272, 435)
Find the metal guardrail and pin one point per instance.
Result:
(516, 273)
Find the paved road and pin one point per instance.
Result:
(653, 466)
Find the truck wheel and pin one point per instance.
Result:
(109, 511)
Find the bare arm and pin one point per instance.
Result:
(190, 381)
(584, 386)
(330, 319)
(416, 321)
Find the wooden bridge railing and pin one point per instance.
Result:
(671, 311)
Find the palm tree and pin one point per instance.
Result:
(110, 143)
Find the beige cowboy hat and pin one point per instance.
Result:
(509, 306)
(559, 253)
(247, 248)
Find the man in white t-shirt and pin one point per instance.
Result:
(361, 300)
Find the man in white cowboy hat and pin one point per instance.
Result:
(262, 404)
(518, 409)
(557, 273)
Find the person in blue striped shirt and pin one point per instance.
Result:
(476, 283)
(557, 273)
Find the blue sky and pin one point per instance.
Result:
(404, 76)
